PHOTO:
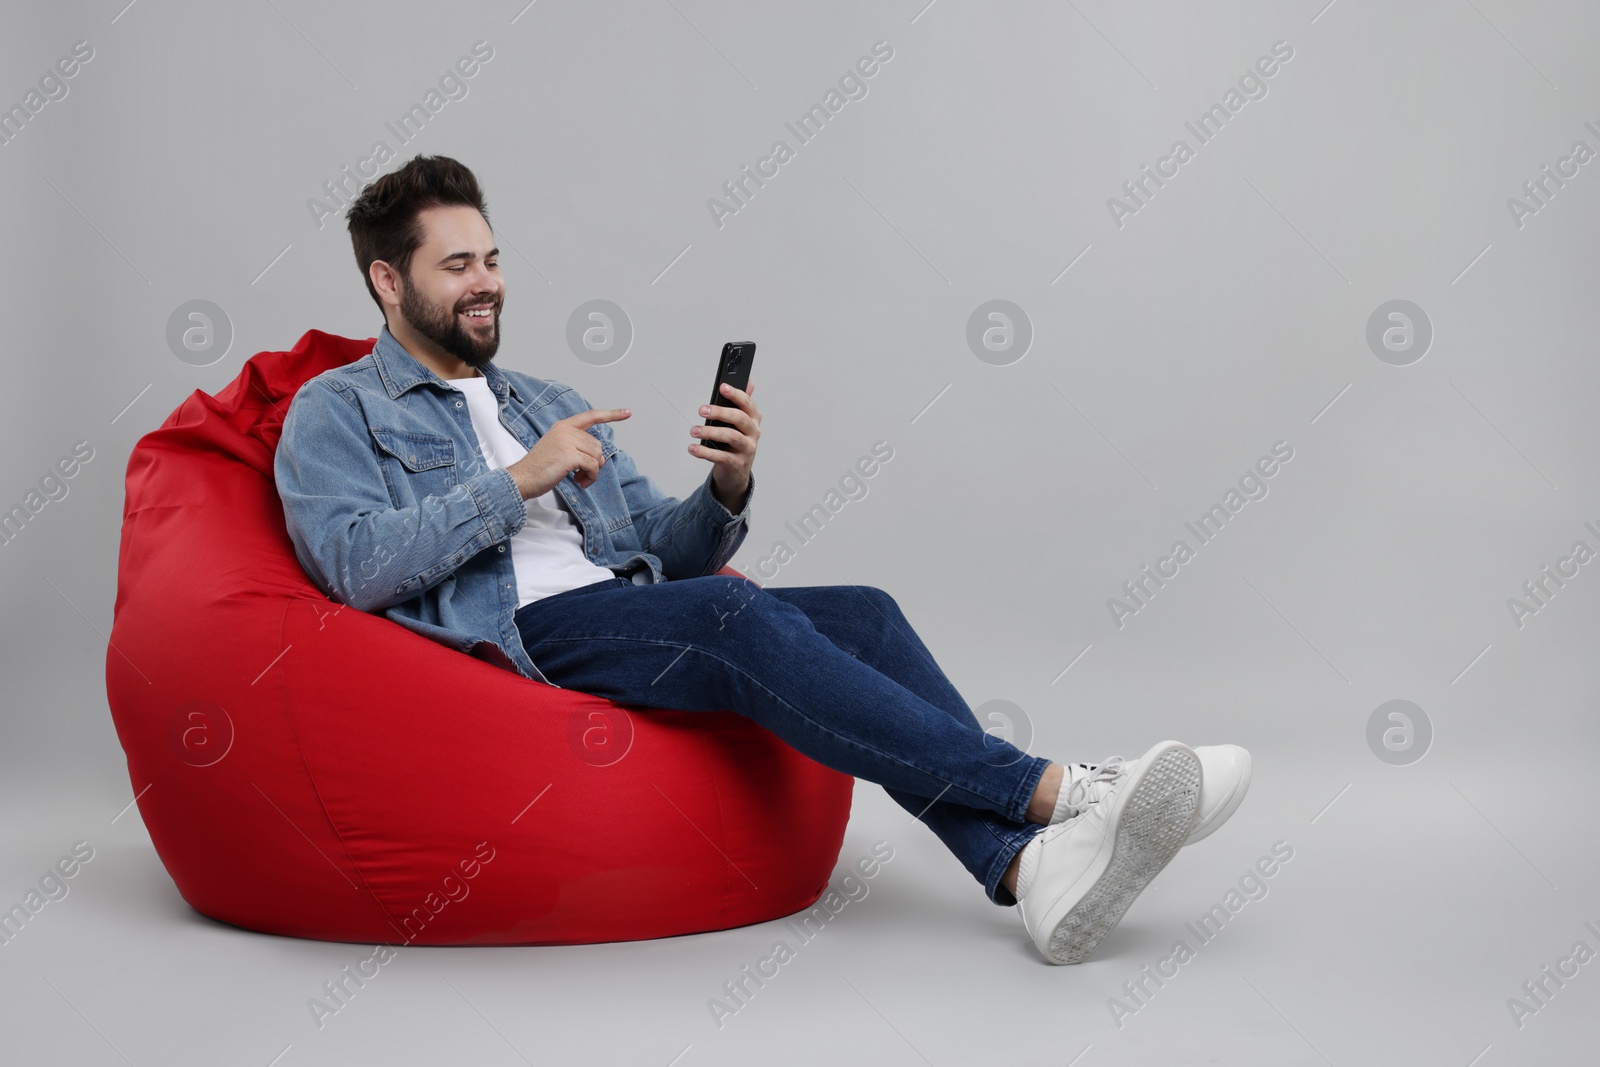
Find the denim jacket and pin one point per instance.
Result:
(392, 508)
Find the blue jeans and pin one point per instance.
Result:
(835, 671)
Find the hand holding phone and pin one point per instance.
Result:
(734, 368)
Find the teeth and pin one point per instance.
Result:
(480, 314)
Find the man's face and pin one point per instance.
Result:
(455, 270)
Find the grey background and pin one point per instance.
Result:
(1228, 314)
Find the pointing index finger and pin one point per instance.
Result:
(586, 419)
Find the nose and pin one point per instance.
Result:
(485, 284)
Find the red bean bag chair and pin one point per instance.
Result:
(313, 770)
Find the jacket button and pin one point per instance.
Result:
(413, 459)
(502, 548)
(458, 403)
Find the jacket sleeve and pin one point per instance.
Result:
(348, 536)
(691, 537)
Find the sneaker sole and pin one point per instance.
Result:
(1152, 823)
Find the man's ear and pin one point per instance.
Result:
(384, 279)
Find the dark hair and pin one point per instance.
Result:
(384, 222)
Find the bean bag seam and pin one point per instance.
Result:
(294, 732)
(192, 506)
(722, 831)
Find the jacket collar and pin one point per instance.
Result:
(400, 370)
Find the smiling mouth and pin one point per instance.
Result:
(487, 315)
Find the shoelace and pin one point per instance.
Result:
(1081, 793)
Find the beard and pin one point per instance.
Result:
(473, 345)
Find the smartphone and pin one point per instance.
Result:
(735, 370)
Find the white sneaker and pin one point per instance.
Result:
(1225, 772)
(1077, 878)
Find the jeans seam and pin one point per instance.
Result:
(797, 712)
(997, 867)
(1030, 783)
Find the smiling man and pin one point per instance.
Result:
(492, 511)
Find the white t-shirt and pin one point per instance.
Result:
(547, 553)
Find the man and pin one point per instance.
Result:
(492, 511)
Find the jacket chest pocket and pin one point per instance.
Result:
(415, 464)
(607, 497)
